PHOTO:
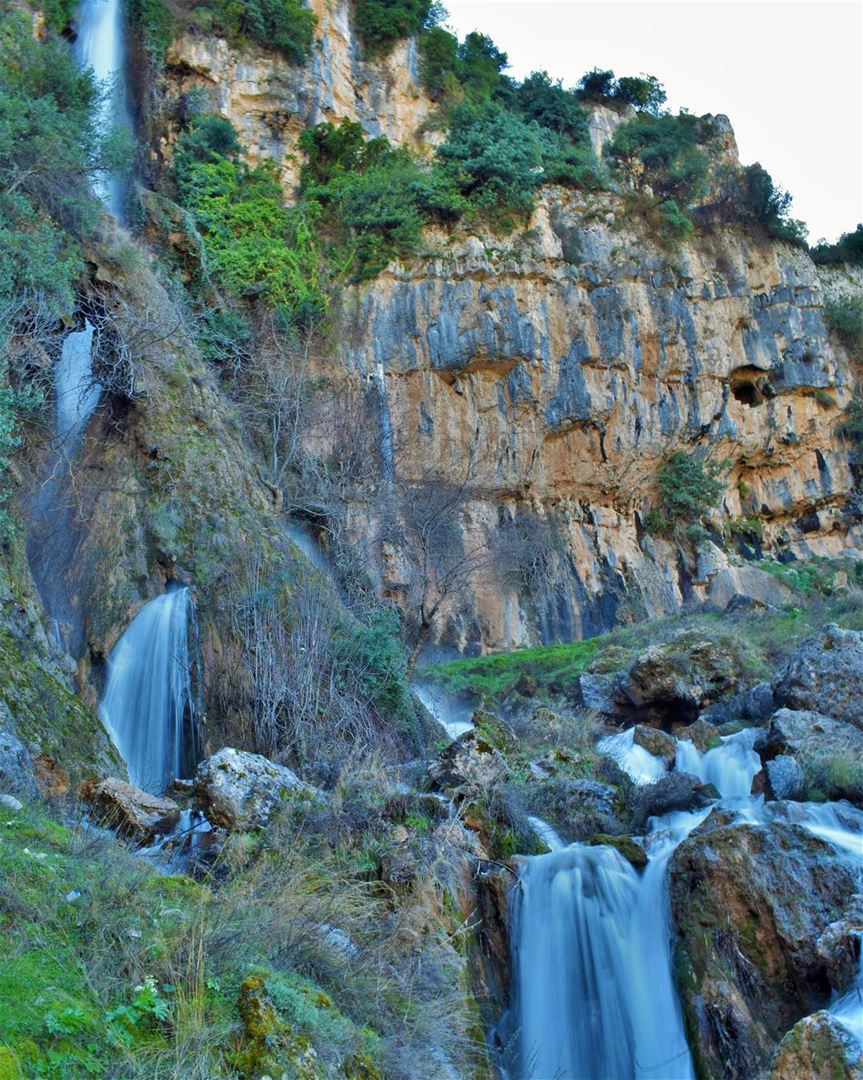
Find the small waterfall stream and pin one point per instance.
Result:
(148, 706)
(594, 994)
(100, 45)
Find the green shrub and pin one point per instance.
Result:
(382, 23)
(438, 52)
(286, 26)
(546, 102)
(767, 205)
(844, 316)
(852, 429)
(154, 22)
(689, 486)
(480, 67)
(847, 249)
(597, 84)
(494, 158)
(644, 93)
(666, 154)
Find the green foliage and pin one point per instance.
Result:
(438, 52)
(689, 486)
(255, 246)
(374, 198)
(597, 84)
(154, 22)
(545, 101)
(844, 316)
(480, 67)
(847, 249)
(382, 23)
(852, 429)
(767, 205)
(664, 153)
(645, 93)
(494, 158)
(286, 26)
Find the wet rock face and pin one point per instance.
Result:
(749, 905)
(239, 790)
(825, 674)
(133, 813)
(675, 680)
(674, 791)
(817, 1048)
(16, 765)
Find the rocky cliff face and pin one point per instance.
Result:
(550, 373)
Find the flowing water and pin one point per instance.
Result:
(100, 45)
(454, 720)
(148, 706)
(594, 994)
(76, 392)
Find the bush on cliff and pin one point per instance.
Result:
(768, 206)
(689, 486)
(847, 249)
(844, 316)
(382, 23)
(645, 93)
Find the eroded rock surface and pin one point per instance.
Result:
(239, 790)
(825, 674)
(817, 1048)
(134, 813)
(749, 904)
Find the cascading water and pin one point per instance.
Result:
(453, 720)
(594, 994)
(148, 706)
(76, 392)
(100, 45)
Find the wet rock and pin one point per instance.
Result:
(468, 766)
(817, 1048)
(631, 851)
(656, 742)
(825, 674)
(493, 729)
(9, 802)
(16, 764)
(674, 791)
(239, 790)
(133, 813)
(749, 904)
(491, 962)
(839, 945)
(785, 778)
(827, 753)
(604, 693)
(755, 704)
(703, 735)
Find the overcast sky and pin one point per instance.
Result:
(788, 73)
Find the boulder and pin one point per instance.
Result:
(9, 802)
(604, 693)
(239, 790)
(817, 1048)
(785, 779)
(827, 753)
(674, 791)
(133, 813)
(825, 674)
(675, 680)
(16, 764)
(633, 852)
(703, 735)
(749, 903)
(493, 729)
(468, 766)
(656, 742)
(839, 945)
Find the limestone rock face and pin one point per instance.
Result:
(749, 904)
(134, 813)
(467, 766)
(825, 674)
(817, 1048)
(16, 765)
(239, 790)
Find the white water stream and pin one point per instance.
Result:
(452, 719)
(100, 45)
(148, 703)
(595, 999)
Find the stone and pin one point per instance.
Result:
(839, 945)
(603, 692)
(493, 729)
(16, 764)
(240, 790)
(827, 753)
(468, 766)
(633, 852)
(703, 735)
(785, 779)
(825, 674)
(817, 1048)
(51, 778)
(9, 802)
(656, 742)
(749, 903)
(133, 813)
(675, 680)
(674, 791)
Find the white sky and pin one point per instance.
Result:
(788, 73)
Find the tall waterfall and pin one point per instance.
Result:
(148, 706)
(100, 45)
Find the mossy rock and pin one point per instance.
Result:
(270, 1046)
(362, 1066)
(632, 852)
(490, 728)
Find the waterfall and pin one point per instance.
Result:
(76, 392)
(453, 720)
(639, 764)
(100, 45)
(730, 767)
(148, 706)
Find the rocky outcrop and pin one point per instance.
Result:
(825, 674)
(133, 813)
(468, 766)
(239, 790)
(827, 754)
(656, 742)
(674, 791)
(817, 1048)
(749, 904)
